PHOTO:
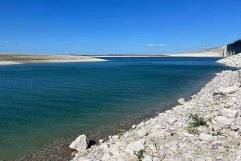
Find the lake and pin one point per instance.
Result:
(42, 103)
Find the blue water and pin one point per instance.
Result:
(41, 103)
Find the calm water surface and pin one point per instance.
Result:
(41, 103)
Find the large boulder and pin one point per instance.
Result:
(205, 137)
(141, 133)
(229, 113)
(222, 122)
(134, 147)
(181, 101)
(80, 144)
(148, 158)
(124, 156)
(227, 90)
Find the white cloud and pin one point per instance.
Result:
(156, 45)
(151, 45)
(161, 45)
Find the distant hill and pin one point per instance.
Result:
(211, 52)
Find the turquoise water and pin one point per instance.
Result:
(41, 103)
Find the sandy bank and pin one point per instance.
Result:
(130, 56)
(20, 59)
(9, 62)
(208, 127)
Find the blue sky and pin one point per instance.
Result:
(117, 26)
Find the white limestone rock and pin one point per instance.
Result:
(161, 154)
(199, 159)
(115, 137)
(181, 101)
(80, 144)
(147, 158)
(205, 137)
(124, 156)
(156, 159)
(223, 122)
(229, 113)
(104, 147)
(238, 155)
(135, 146)
(150, 143)
(233, 61)
(238, 121)
(141, 133)
(101, 140)
(227, 90)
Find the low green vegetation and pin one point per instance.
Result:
(140, 155)
(196, 121)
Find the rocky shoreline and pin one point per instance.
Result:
(207, 127)
(232, 61)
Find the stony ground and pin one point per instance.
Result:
(233, 61)
(206, 128)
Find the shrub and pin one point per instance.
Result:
(197, 121)
(140, 155)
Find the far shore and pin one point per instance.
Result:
(196, 54)
(9, 59)
(213, 52)
(157, 56)
(129, 56)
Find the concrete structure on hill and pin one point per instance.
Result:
(232, 49)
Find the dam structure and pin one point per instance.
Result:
(232, 48)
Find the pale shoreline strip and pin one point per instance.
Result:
(9, 62)
(53, 61)
(196, 54)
